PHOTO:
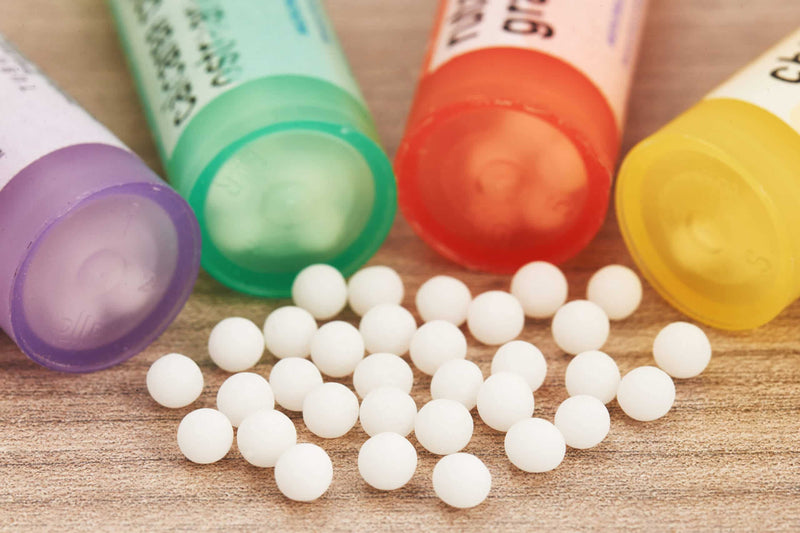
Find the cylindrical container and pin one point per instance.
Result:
(710, 204)
(97, 254)
(263, 129)
(515, 128)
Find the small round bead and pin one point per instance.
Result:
(461, 480)
(583, 420)
(388, 409)
(495, 317)
(682, 350)
(373, 286)
(503, 400)
(330, 410)
(616, 289)
(646, 393)
(382, 370)
(387, 328)
(236, 344)
(535, 445)
(443, 298)
(435, 343)
(523, 358)
(541, 288)
(387, 461)
(291, 380)
(205, 436)
(264, 435)
(303, 472)
(580, 326)
(321, 290)
(458, 380)
(174, 380)
(288, 331)
(337, 348)
(443, 426)
(242, 394)
(593, 373)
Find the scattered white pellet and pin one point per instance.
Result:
(580, 326)
(330, 410)
(435, 343)
(205, 436)
(288, 331)
(236, 344)
(443, 426)
(535, 445)
(504, 399)
(387, 461)
(495, 317)
(174, 380)
(646, 393)
(583, 420)
(541, 288)
(321, 290)
(373, 286)
(459, 380)
(264, 435)
(387, 328)
(682, 350)
(337, 348)
(616, 289)
(387, 409)
(291, 380)
(461, 480)
(523, 358)
(303, 472)
(242, 394)
(593, 373)
(443, 298)
(382, 370)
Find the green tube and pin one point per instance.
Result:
(261, 126)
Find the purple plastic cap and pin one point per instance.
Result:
(97, 256)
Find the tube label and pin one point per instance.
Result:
(771, 82)
(600, 38)
(36, 118)
(185, 53)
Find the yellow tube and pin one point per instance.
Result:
(709, 206)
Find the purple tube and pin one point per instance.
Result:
(97, 254)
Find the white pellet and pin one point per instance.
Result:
(242, 394)
(495, 317)
(321, 290)
(388, 409)
(593, 373)
(288, 331)
(535, 445)
(646, 393)
(387, 461)
(263, 436)
(337, 348)
(461, 480)
(580, 326)
(616, 289)
(435, 343)
(291, 380)
(583, 420)
(382, 370)
(174, 380)
(304, 472)
(236, 344)
(387, 328)
(443, 426)
(330, 410)
(373, 286)
(504, 399)
(682, 350)
(541, 288)
(523, 358)
(443, 298)
(205, 436)
(459, 380)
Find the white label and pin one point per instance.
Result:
(771, 82)
(36, 118)
(598, 37)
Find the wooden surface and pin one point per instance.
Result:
(94, 452)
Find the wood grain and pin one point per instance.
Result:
(93, 452)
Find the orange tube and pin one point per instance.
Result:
(515, 127)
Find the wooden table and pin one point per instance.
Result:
(95, 452)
